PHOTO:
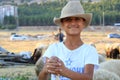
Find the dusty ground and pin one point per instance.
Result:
(96, 35)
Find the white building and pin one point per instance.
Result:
(7, 10)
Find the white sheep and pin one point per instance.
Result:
(108, 48)
(111, 65)
(39, 65)
(102, 58)
(102, 74)
(108, 70)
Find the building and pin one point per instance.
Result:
(7, 10)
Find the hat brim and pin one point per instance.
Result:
(87, 17)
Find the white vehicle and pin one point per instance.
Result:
(18, 37)
(117, 24)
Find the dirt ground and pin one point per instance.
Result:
(96, 35)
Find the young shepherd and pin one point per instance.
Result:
(39, 64)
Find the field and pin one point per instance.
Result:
(96, 35)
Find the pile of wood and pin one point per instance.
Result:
(12, 59)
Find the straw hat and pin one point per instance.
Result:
(73, 9)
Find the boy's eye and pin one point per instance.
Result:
(67, 19)
(77, 18)
(70, 19)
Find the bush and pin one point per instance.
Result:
(10, 26)
(1, 27)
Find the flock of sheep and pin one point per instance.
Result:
(108, 69)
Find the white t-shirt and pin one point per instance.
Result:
(75, 59)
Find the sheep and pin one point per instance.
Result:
(102, 58)
(114, 53)
(112, 50)
(36, 55)
(42, 48)
(108, 70)
(38, 52)
(39, 65)
(102, 74)
(108, 48)
(111, 65)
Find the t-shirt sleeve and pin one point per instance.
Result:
(92, 57)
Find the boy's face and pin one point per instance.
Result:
(73, 25)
